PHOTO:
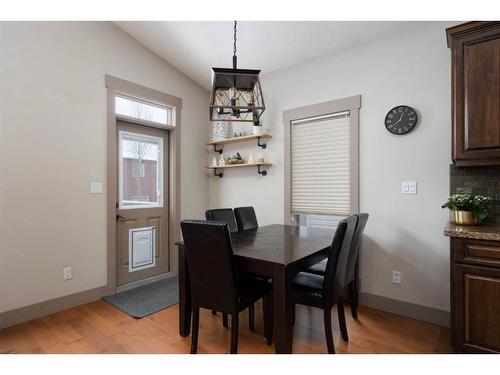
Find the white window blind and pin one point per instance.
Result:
(320, 165)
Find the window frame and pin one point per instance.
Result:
(116, 86)
(351, 104)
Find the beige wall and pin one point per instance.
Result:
(404, 232)
(53, 144)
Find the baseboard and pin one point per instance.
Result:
(138, 283)
(410, 310)
(23, 314)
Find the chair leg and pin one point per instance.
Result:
(234, 333)
(267, 307)
(353, 296)
(214, 312)
(293, 313)
(194, 330)
(342, 324)
(224, 320)
(251, 317)
(327, 312)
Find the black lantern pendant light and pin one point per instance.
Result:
(236, 93)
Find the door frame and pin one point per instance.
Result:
(118, 86)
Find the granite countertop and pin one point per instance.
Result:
(488, 232)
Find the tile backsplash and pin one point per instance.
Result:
(478, 180)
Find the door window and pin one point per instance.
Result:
(140, 171)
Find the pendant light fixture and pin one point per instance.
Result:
(236, 93)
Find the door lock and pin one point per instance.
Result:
(120, 217)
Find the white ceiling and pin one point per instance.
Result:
(195, 47)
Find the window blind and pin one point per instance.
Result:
(320, 165)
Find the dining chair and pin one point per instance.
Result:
(326, 291)
(227, 215)
(215, 284)
(246, 218)
(223, 214)
(352, 265)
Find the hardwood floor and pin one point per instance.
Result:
(100, 328)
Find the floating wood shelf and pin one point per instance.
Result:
(239, 139)
(258, 165)
(243, 138)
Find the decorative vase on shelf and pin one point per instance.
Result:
(219, 131)
(464, 218)
(222, 161)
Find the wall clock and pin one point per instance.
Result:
(401, 120)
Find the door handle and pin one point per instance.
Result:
(120, 217)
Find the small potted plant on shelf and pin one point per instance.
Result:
(257, 127)
(467, 209)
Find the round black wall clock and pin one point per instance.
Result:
(401, 120)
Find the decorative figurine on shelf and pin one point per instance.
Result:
(251, 159)
(260, 159)
(235, 159)
(222, 161)
(214, 162)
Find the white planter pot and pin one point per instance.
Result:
(257, 130)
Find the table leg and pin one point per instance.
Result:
(282, 301)
(184, 295)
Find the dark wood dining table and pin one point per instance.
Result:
(275, 251)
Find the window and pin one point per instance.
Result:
(321, 162)
(320, 165)
(140, 171)
(137, 109)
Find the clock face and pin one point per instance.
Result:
(401, 120)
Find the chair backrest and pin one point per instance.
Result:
(223, 214)
(356, 242)
(245, 218)
(336, 266)
(209, 258)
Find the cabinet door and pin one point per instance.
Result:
(476, 308)
(477, 100)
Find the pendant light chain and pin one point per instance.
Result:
(234, 46)
(235, 59)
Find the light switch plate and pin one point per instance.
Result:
(96, 187)
(409, 187)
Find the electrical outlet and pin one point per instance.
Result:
(396, 277)
(67, 273)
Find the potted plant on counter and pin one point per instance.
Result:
(467, 209)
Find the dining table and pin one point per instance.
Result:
(275, 251)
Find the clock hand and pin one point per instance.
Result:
(398, 120)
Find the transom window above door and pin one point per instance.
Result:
(131, 108)
(140, 171)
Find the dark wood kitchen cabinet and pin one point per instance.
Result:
(475, 295)
(475, 59)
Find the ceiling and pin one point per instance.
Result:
(195, 47)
